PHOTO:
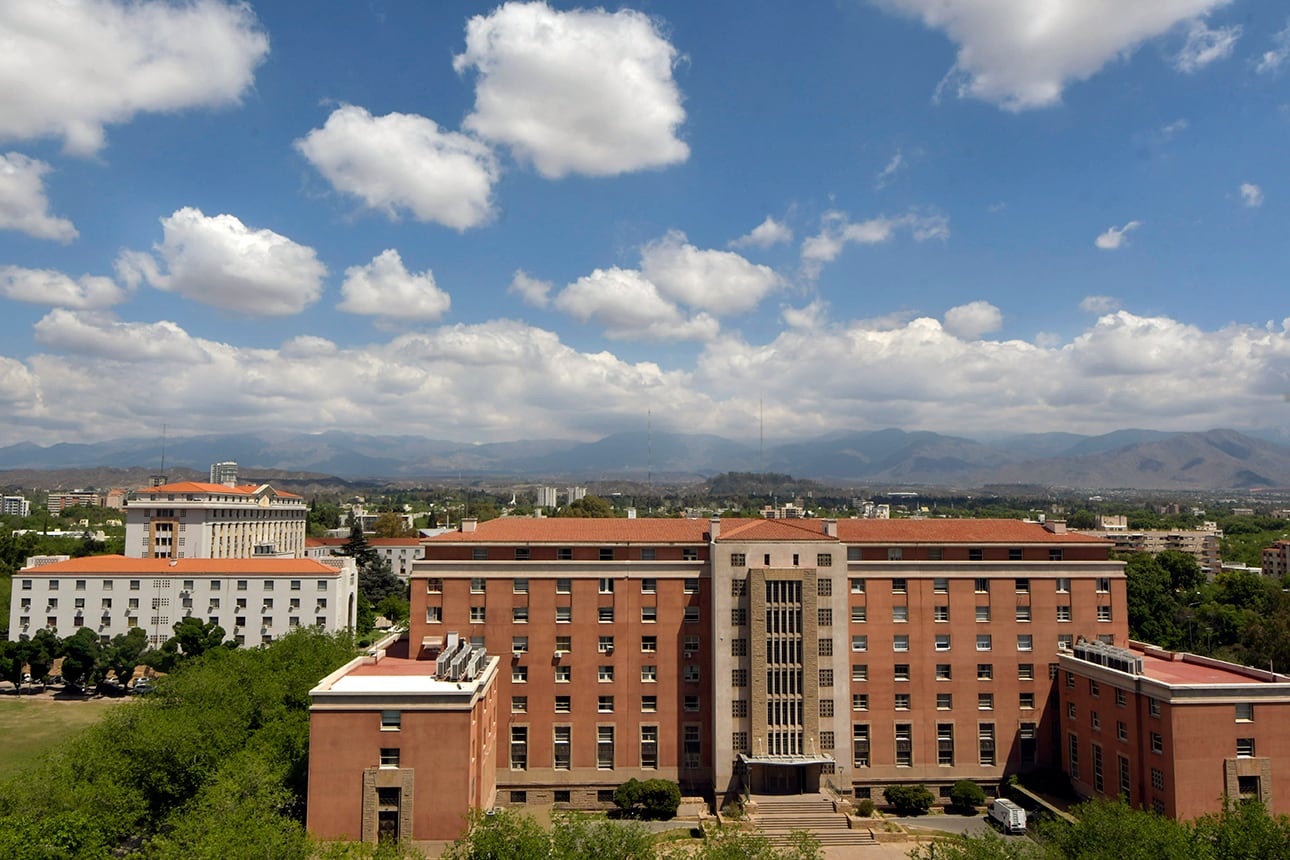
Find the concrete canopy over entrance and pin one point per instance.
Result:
(787, 774)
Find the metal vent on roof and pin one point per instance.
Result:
(1110, 656)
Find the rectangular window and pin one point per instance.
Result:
(605, 614)
(1072, 753)
(476, 585)
(1153, 707)
(649, 585)
(1157, 779)
(904, 744)
(691, 615)
(1063, 614)
(606, 583)
(899, 585)
(1063, 585)
(563, 704)
(691, 586)
(857, 585)
(649, 747)
(1054, 554)
(604, 644)
(1025, 642)
(389, 756)
(943, 671)
(985, 744)
(520, 586)
(983, 614)
(826, 677)
(478, 615)
(859, 701)
(739, 708)
(1158, 744)
(649, 674)
(563, 586)
(940, 613)
(519, 704)
(563, 674)
(945, 744)
(1103, 584)
(826, 707)
(1244, 747)
(859, 643)
(563, 614)
(479, 553)
(562, 748)
(391, 721)
(434, 586)
(980, 585)
(1026, 701)
(1098, 784)
(604, 704)
(900, 672)
(900, 642)
(605, 674)
(1121, 731)
(690, 704)
(824, 559)
(983, 642)
(1023, 585)
(1025, 671)
(649, 644)
(860, 745)
(976, 554)
(900, 614)
(823, 647)
(1023, 613)
(604, 747)
(943, 642)
(691, 748)
(738, 559)
(519, 674)
(519, 644)
(691, 673)
(739, 677)
(648, 553)
(519, 747)
(858, 615)
(944, 701)
(985, 701)
(649, 704)
(895, 553)
(985, 671)
(520, 614)
(564, 553)
(522, 553)
(859, 671)
(649, 614)
(1245, 712)
(1104, 613)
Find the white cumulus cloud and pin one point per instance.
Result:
(49, 287)
(1114, 237)
(534, 292)
(630, 307)
(403, 162)
(767, 233)
(973, 319)
(584, 91)
(1099, 304)
(888, 173)
(1271, 60)
(721, 282)
(385, 288)
(23, 204)
(1251, 195)
(67, 69)
(1021, 54)
(837, 230)
(221, 262)
(1205, 46)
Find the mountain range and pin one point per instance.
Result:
(1124, 459)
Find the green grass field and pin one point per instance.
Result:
(32, 724)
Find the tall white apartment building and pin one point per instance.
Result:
(15, 506)
(546, 497)
(254, 599)
(191, 519)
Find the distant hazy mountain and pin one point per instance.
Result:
(1130, 459)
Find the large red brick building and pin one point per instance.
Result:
(1172, 732)
(743, 654)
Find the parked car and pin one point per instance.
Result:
(142, 685)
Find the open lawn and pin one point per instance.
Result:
(31, 724)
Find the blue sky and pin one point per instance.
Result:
(492, 222)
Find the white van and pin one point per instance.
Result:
(1010, 817)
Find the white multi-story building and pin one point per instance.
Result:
(254, 599)
(15, 506)
(546, 497)
(196, 520)
(399, 552)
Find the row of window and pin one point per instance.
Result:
(605, 673)
(562, 747)
(944, 642)
(945, 744)
(239, 622)
(186, 585)
(563, 615)
(563, 704)
(565, 553)
(158, 602)
(941, 613)
(981, 584)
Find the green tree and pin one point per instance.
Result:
(506, 835)
(375, 579)
(40, 653)
(1152, 603)
(395, 607)
(12, 660)
(1243, 830)
(909, 799)
(1103, 829)
(123, 653)
(587, 507)
(82, 658)
(967, 795)
(651, 798)
(984, 845)
(194, 637)
(1183, 570)
(391, 525)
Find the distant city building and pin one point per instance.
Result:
(58, 502)
(546, 497)
(224, 473)
(195, 520)
(1202, 543)
(1172, 732)
(15, 506)
(254, 599)
(399, 552)
(576, 493)
(115, 498)
(1276, 560)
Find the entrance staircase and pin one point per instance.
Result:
(777, 816)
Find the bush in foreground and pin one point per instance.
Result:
(909, 799)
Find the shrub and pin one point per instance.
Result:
(652, 798)
(909, 799)
(967, 795)
(864, 808)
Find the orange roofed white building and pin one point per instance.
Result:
(194, 519)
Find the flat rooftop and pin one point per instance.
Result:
(1188, 670)
(397, 673)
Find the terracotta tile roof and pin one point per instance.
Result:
(954, 531)
(94, 565)
(571, 530)
(186, 487)
(609, 530)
